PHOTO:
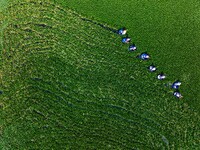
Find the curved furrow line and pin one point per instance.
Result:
(64, 15)
(67, 46)
(108, 133)
(172, 125)
(40, 43)
(75, 92)
(37, 5)
(44, 107)
(161, 119)
(118, 108)
(157, 111)
(19, 46)
(24, 46)
(111, 106)
(59, 24)
(81, 127)
(150, 128)
(88, 53)
(115, 115)
(24, 40)
(41, 36)
(113, 141)
(75, 37)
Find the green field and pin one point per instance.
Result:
(66, 82)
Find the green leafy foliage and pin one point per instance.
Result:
(70, 84)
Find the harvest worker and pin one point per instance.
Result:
(177, 94)
(126, 40)
(144, 56)
(161, 76)
(152, 68)
(176, 84)
(132, 47)
(122, 31)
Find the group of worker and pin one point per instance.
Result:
(145, 56)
